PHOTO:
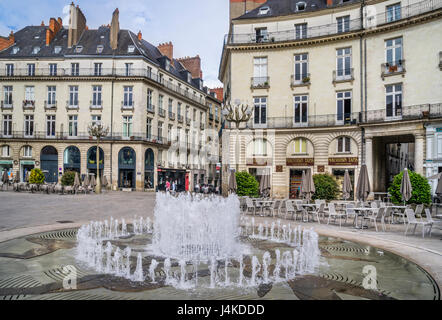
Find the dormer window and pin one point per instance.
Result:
(36, 50)
(100, 49)
(78, 49)
(264, 10)
(300, 6)
(15, 50)
(37, 37)
(189, 77)
(57, 49)
(130, 49)
(167, 64)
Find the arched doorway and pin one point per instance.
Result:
(49, 163)
(126, 168)
(72, 159)
(149, 164)
(92, 161)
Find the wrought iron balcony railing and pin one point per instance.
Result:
(343, 75)
(150, 108)
(393, 68)
(161, 112)
(171, 115)
(300, 79)
(260, 82)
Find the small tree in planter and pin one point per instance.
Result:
(36, 176)
(421, 192)
(246, 184)
(326, 187)
(68, 178)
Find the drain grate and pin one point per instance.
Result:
(23, 281)
(346, 248)
(68, 234)
(58, 274)
(80, 295)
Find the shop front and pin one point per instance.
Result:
(338, 165)
(25, 167)
(72, 159)
(92, 161)
(126, 168)
(49, 164)
(6, 165)
(149, 167)
(296, 167)
(171, 175)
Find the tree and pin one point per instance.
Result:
(421, 192)
(246, 184)
(326, 187)
(36, 176)
(68, 178)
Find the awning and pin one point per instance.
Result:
(27, 162)
(6, 162)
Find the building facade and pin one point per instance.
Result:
(333, 84)
(56, 81)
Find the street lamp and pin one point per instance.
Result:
(98, 130)
(237, 114)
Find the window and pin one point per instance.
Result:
(7, 125)
(57, 49)
(263, 10)
(29, 125)
(100, 48)
(75, 69)
(260, 110)
(160, 101)
(301, 31)
(5, 151)
(52, 69)
(343, 107)
(260, 147)
(130, 49)
(29, 93)
(300, 145)
(36, 50)
(127, 126)
(194, 115)
(96, 96)
(73, 126)
(393, 53)
(259, 71)
(301, 68)
(96, 119)
(129, 69)
(301, 110)
(149, 72)
(73, 96)
(149, 99)
(128, 96)
(97, 69)
(169, 132)
(344, 144)
(343, 24)
(393, 12)
(160, 131)
(51, 96)
(50, 126)
(15, 50)
(170, 106)
(261, 35)
(300, 6)
(167, 65)
(394, 101)
(27, 151)
(9, 69)
(7, 90)
(31, 69)
(178, 109)
(149, 128)
(343, 63)
(78, 49)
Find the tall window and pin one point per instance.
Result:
(51, 95)
(97, 69)
(73, 96)
(260, 110)
(301, 31)
(149, 98)
(169, 132)
(259, 71)
(31, 69)
(178, 109)
(96, 96)
(393, 12)
(75, 69)
(170, 107)
(301, 110)
(29, 125)
(52, 69)
(344, 144)
(394, 101)
(27, 151)
(50, 126)
(9, 69)
(343, 63)
(149, 128)
(260, 147)
(393, 53)
(160, 131)
(129, 69)
(5, 151)
(301, 67)
(95, 119)
(160, 101)
(343, 107)
(128, 96)
(127, 126)
(73, 126)
(300, 145)
(7, 90)
(343, 24)
(29, 93)
(7, 125)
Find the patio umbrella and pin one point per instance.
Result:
(264, 185)
(93, 183)
(363, 187)
(104, 181)
(346, 185)
(232, 181)
(76, 180)
(86, 181)
(406, 188)
(307, 185)
(439, 187)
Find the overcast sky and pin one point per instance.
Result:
(194, 26)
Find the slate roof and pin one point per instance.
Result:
(288, 7)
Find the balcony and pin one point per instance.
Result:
(171, 115)
(96, 105)
(7, 105)
(392, 69)
(28, 105)
(50, 105)
(260, 83)
(71, 105)
(216, 118)
(343, 75)
(300, 80)
(161, 112)
(127, 105)
(403, 113)
(150, 108)
(188, 120)
(180, 118)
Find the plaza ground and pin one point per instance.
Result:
(23, 214)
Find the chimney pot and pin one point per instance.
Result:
(140, 35)
(329, 3)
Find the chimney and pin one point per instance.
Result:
(166, 49)
(218, 93)
(240, 7)
(53, 28)
(114, 29)
(140, 35)
(193, 64)
(329, 3)
(7, 42)
(77, 24)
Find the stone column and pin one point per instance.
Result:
(419, 153)
(369, 159)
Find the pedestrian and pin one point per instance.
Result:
(174, 186)
(167, 186)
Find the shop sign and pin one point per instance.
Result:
(5, 161)
(343, 161)
(300, 161)
(321, 168)
(259, 161)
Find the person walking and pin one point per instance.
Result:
(167, 185)
(174, 187)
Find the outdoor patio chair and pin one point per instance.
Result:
(303, 211)
(318, 212)
(387, 215)
(350, 211)
(429, 220)
(399, 214)
(373, 216)
(249, 206)
(419, 210)
(289, 209)
(412, 220)
(332, 213)
(274, 207)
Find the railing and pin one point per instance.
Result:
(260, 82)
(180, 118)
(302, 79)
(161, 112)
(50, 105)
(97, 105)
(416, 112)
(8, 105)
(72, 104)
(370, 21)
(129, 105)
(150, 108)
(28, 104)
(395, 67)
(171, 115)
(343, 75)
